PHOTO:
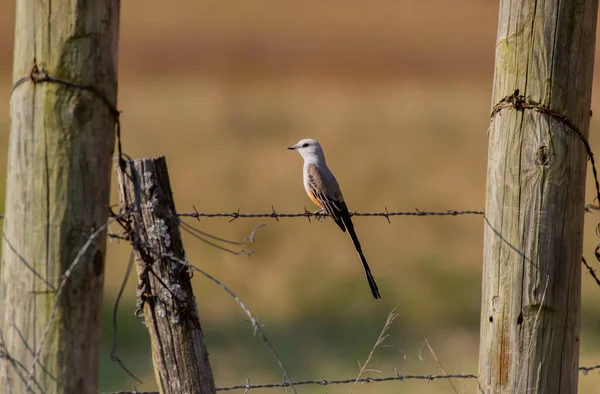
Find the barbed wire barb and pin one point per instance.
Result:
(387, 215)
(235, 215)
(307, 213)
(274, 213)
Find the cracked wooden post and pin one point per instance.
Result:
(533, 237)
(58, 190)
(178, 352)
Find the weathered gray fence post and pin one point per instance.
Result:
(58, 186)
(533, 238)
(178, 352)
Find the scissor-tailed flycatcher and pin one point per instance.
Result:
(323, 189)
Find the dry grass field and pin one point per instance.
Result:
(399, 95)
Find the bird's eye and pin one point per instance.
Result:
(305, 145)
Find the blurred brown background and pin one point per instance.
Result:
(398, 94)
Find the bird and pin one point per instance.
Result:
(323, 189)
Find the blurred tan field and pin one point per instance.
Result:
(398, 93)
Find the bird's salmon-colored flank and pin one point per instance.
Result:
(313, 198)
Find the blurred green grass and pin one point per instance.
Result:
(401, 108)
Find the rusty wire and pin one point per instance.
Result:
(39, 75)
(520, 103)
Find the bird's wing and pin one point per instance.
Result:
(327, 192)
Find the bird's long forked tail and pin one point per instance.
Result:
(350, 228)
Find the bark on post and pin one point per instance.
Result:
(533, 236)
(178, 352)
(58, 186)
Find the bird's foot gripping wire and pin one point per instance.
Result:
(320, 214)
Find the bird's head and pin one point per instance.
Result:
(308, 149)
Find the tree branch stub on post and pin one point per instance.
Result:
(533, 236)
(179, 355)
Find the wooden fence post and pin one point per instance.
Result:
(58, 189)
(533, 237)
(178, 352)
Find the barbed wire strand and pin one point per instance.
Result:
(327, 382)
(255, 325)
(397, 377)
(321, 215)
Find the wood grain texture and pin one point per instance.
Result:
(533, 236)
(58, 186)
(179, 355)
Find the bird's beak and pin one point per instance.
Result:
(293, 147)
